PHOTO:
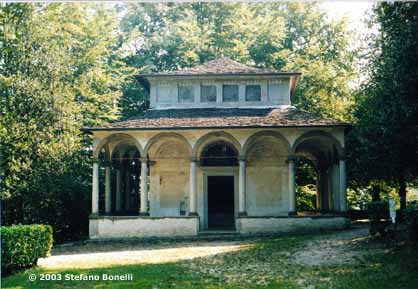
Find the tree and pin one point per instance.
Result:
(58, 72)
(383, 146)
(284, 36)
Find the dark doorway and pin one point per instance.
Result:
(221, 202)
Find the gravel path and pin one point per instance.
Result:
(332, 248)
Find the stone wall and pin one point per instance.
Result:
(128, 227)
(250, 225)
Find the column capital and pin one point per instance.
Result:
(292, 158)
(95, 160)
(242, 158)
(193, 159)
(107, 163)
(143, 159)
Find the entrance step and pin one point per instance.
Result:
(218, 233)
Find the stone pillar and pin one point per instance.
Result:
(118, 192)
(144, 188)
(108, 196)
(242, 188)
(193, 193)
(95, 189)
(343, 187)
(292, 185)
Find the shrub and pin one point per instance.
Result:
(411, 218)
(22, 245)
(306, 198)
(378, 213)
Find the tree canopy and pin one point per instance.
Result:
(68, 65)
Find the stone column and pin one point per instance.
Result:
(118, 192)
(343, 187)
(292, 185)
(144, 188)
(242, 188)
(108, 196)
(193, 193)
(95, 189)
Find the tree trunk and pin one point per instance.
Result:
(402, 192)
(375, 192)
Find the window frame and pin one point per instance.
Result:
(237, 92)
(201, 94)
(246, 92)
(193, 94)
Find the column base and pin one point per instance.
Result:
(242, 214)
(293, 213)
(143, 214)
(193, 214)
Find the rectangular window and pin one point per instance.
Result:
(208, 93)
(230, 93)
(252, 93)
(185, 94)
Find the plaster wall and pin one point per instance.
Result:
(143, 227)
(285, 225)
(274, 91)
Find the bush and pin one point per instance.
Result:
(378, 213)
(306, 198)
(22, 245)
(411, 218)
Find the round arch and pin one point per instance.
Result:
(213, 137)
(318, 134)
(116, 137)
(167, 136)
(256, 136)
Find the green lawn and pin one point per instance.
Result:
(269, 263)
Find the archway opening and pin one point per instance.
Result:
(125, 183)
(317, 174)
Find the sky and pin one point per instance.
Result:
(355, 11)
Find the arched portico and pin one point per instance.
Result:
(116, 190)
(169, 154)
(326, 154)
(211, 137)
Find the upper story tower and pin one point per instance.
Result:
(220, 83)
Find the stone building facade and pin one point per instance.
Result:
(216, 151)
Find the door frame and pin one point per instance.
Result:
(213, 172)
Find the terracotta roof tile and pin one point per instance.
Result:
(219, 118)
(220, 66)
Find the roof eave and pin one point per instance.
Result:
(156, 75)
(91, 129)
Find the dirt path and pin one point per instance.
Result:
(332, 248)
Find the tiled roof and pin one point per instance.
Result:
(219, 118)
(219, 66)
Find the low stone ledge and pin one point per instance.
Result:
(115, 217)
(256, 225)
(292, 217)
(142, 226)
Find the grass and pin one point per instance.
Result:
(268, 263)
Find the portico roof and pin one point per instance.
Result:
(198, 118)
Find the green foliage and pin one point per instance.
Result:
(284, 36)
(23, 245)
(69, 65)
(306, 198)
(59, 71)
(384, 141)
